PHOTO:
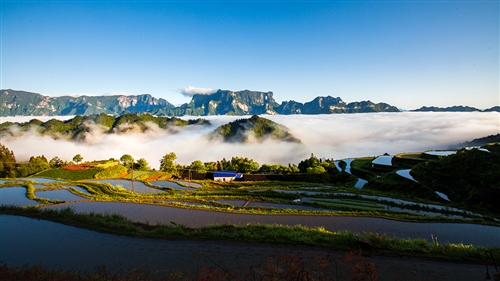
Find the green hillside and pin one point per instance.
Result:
(242, 130)
(470, 177)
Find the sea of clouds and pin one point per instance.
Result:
(336, 136)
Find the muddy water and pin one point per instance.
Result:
(67, 247)
(479, 235)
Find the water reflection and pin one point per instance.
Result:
(479, 235)
(61, 195)
(191, 184)
(15, 196)
(42, 180)
(138, 186)
(171, 184)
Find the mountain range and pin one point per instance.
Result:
(458, 108)
(222, 102)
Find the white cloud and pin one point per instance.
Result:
(190, 91)
(334, 136)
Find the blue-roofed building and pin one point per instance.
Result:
(227, 175)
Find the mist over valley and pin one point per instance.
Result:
(327, 136)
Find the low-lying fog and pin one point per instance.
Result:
(335, 136)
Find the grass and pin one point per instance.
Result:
(407, 160)
(361, 167)
(57, 173)
(154, 176)
(111, 171)
(381, 244)
(136, 174)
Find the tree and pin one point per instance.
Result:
(78, 158)
(211, 166)
(316, 170)
(7, 162)
(127, 160)
(313, 161)
(244, 165)
(167, 163)
(198, 166)
(56, 162)
(34, 165)
(142, 165)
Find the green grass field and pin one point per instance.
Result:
(67, 175)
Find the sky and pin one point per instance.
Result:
(349, 135)
(406, 53)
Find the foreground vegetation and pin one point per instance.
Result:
(282, 267)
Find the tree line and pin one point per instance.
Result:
(313, 168)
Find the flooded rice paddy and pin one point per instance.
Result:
(172, 185)
(455, 233)
(406, 174)
(15, 196)
(360, 183)
(385, 160)
(440, 152)
(190, 184)
(135, 186)
(60, 195)
(40, 180)
(478, 235)
(119, 252)
(83, 250)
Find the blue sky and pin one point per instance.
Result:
(406, 53)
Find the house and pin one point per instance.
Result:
(227, 175)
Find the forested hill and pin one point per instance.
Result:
(478, 142)
(78, 127)
(255, 128)
(223, 102)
